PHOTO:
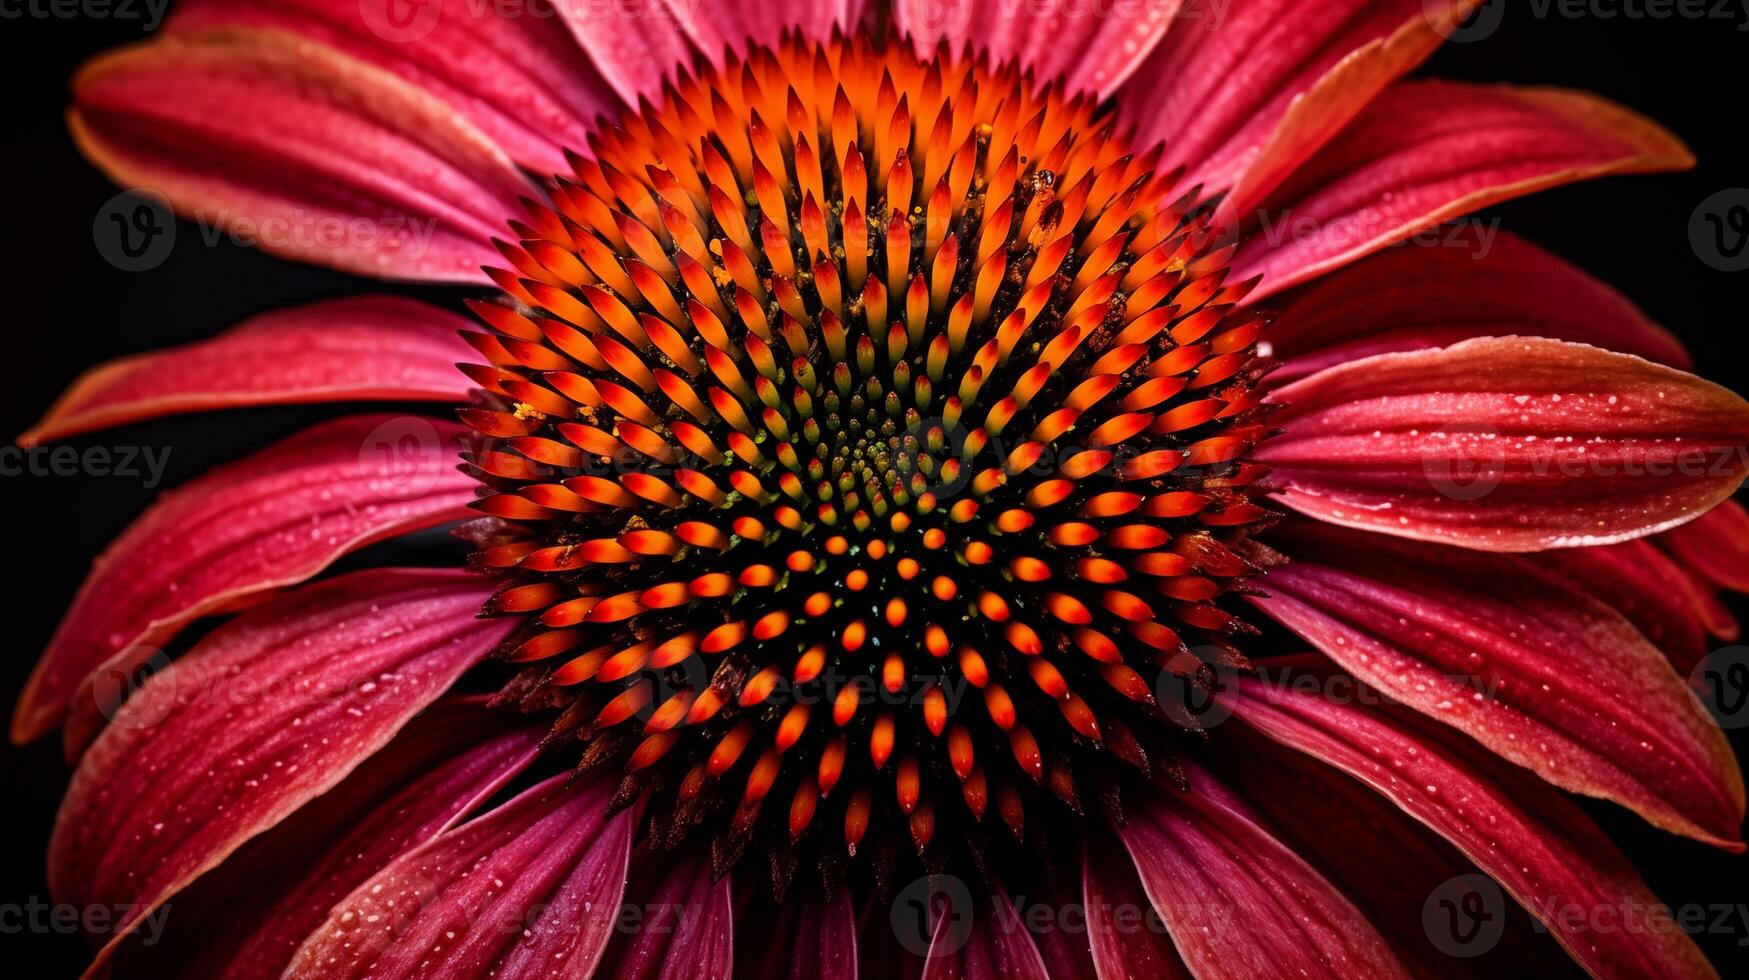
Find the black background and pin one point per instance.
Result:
(64, 308)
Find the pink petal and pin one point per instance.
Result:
(1425, 152)
(377, 348)
(1055, 915)
(635, 46)
(686, 929)
(1345, 88)
(996, 946)
(1536, 844)
(531, 888)
(1390, 865)
(519, 78)
(1714, 614)
(1230, 80)
(723, 24)
(1715, 544)
(267, 521)
(1237, 903)
(246, 918)
(1128, 938)
(878, 959)
(641, 43)
(1089, 47)
(1482, 284)
(1494, 646)
(1649, 590)
(1508, 444)
(311, 153)
(808, 937)
(267, 713)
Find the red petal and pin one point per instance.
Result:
(1508, 444)
(267, 713)
(722, 24)
(369, 348)
(529, 888)
(688, 927)
(247, 917)
(308, 152)
(1345, 88)
(1527, 837)
(1392, 866)
(1090, 47)
(1425, 152)
(635, 48)
(1226, 83)
(520, 79)
(1275, 916)
(642, 42)
(269, 520)
(808, 937)
(1645, 586)
(993, 945)
(1543, 675)
(1127, 940)
(1480, 285)
(1715, 544)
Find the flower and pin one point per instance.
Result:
(885, 452)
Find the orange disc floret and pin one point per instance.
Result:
(880, 426)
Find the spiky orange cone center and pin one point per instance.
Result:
(867, 435)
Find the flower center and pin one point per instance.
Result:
(865, 437)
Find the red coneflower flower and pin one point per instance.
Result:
(880, 471)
